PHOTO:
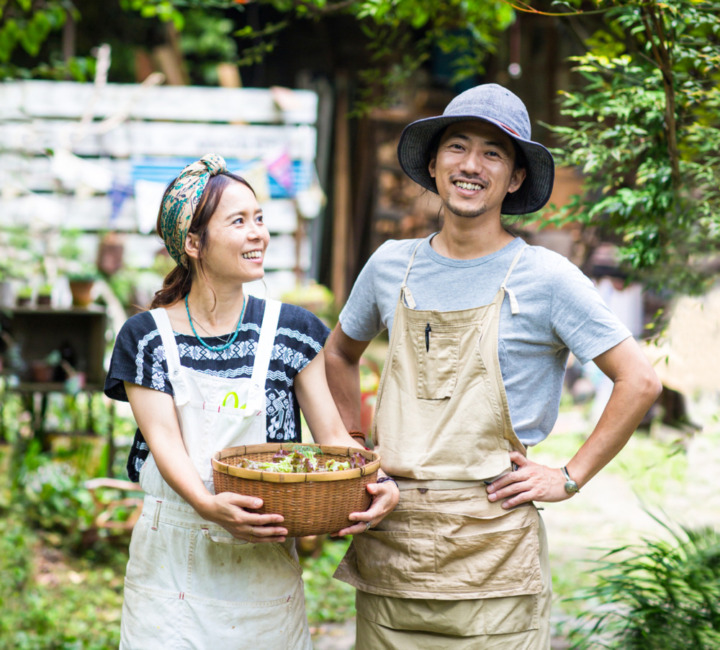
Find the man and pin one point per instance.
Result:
(481, 325)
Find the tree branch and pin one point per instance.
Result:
(664, 62)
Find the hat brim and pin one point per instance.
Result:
(533, 194)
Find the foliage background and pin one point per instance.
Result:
(642, 122)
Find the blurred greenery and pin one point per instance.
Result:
(62, 588)
(206, 41)
(61, 580)
(663, 594)
(644, 129)
(652, 471)
(327, 599)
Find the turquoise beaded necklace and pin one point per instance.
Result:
(215, 348)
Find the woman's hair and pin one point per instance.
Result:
(177, 283)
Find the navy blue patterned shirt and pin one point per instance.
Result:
(139, 358)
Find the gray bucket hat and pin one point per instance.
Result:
(496, 105)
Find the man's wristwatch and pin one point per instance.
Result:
(571, 487)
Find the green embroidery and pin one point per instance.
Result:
(237, 401)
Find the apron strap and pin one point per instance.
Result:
(514, 307)
(172, 354)
(265, 344)
(405, 292)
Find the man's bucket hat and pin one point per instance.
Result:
(496, 105)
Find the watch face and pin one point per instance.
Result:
(571, 487)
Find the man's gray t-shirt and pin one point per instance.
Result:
(559, 312)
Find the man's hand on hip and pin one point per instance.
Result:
(529, 482)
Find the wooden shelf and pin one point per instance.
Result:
(51, 387)
(38, 331)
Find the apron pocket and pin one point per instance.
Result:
(455, 549)
(392, 557)
(501, 563)
(249, 625)
(437, 364)
(233, 571)
(458, 618)
(152, 619)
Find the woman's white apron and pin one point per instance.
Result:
(189, 583)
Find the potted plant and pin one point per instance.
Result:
(81, 273)
(42, 371)
(81, 287)
(44, 294)
(24, 296)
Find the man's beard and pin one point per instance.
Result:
(470, 212)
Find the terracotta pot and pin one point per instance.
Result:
(81, 292)
(41, 371)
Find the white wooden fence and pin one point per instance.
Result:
(98, 157)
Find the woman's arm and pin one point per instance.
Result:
(326, 425)
(155, 415)
(318, 406)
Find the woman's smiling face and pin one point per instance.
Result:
(237, 237)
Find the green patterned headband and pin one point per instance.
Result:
(181, 201)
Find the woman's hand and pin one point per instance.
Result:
(155, 414)
(327, 428)
(234, 513)
(385, 497)
(529, 482)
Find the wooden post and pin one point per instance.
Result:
(341, 194)
(299, 239)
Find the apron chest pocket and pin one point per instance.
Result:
(437, 354)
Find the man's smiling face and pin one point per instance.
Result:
(474, 168)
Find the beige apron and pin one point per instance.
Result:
(443, 429)
(189, 583)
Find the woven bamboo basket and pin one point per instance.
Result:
(311, 503)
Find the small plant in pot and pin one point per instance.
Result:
(24, 296)
(81, 273)
(81, 287)
(44, 294)
(43, 370)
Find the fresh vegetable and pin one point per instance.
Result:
(303, 460)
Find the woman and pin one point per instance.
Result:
(207, 368)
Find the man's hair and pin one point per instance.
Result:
(520, 159)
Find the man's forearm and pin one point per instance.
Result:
(342, 366)
(632, 397)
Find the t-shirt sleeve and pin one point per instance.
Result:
(580, 318)
(137, 358)
(300, 337)
(360, 317)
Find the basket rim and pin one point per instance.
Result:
(299, 477)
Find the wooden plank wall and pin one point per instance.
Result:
(97, 158)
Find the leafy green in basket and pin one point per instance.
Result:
(303, 460)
